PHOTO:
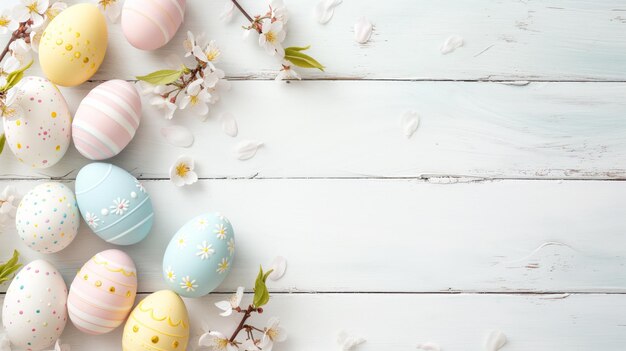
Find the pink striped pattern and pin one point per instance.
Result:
(150, 24)
(106, 120)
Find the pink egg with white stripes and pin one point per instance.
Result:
(106, 120)
(150, 24)
(103, 292)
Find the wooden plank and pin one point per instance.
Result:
(391, 235)
(400, 322)
(504, 40)
(352, 129)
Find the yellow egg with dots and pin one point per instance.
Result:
(159, 322)
(73, 45)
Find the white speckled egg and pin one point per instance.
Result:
(114, 204)
(39, 128)
(47, 218)
(106, 120)
(200, 255)
(34, 311)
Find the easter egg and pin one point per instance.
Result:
(159, 322)
(103, 292)
(38, 125)
(34, 313)
(114, 204)
(150, 24)
(106, 119)
(47, 217)
(73, 45)
(200, 255)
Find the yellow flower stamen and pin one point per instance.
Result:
(32, 7)
(270, 37)
(182, 169)
(4, 21)
(194, 100)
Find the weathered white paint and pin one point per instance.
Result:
(391, 235)
(351, 129)
(528, 40)
(401, 321)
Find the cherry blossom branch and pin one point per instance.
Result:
(242, 325)
(243, 11)
(19, 33)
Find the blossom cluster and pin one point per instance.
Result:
(188, 86)
(8, 202)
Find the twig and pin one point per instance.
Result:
(241, 325)
(20, 32)
(243, 11)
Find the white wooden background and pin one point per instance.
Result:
(504, 211)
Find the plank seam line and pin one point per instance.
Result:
(330, 292)
(444, 80)
(453, 179)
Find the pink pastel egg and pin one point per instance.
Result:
(106, 120)
(150, 24)
(103, 292)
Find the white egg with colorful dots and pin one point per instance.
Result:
(37, 123)
(200, 255)
(34, 312)
(47, 217)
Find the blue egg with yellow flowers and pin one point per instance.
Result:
(113, 203)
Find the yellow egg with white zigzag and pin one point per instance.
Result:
(159, 322)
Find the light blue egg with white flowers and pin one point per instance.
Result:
(200, 255)
(114, 204)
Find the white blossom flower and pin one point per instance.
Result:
(212, 77)
(169, 273)
(111, 9)
(144, 88)
(7, 22)
(7, 204)
(119, 206)
(182, 241)
(220, 231)
(279, 11)
(35, 39)
(232, 303)
(181, 172)
(188, 284)
(8, 109)
(196, 98)
(223, 266)
(210, 54)
(205, 250)
(231, 246)
(189, 44)
(273, 334)
(92, 220)
(21, 51)
(250, 345)
(55, 9)
(36, 11)
(272, 36)
(165, 104)
(286, 73)
(217, 342)
(228, 11)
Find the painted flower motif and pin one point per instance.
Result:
(222, 217)
(92, 220)
(181, 241)
(119, 206)
(220, 231)
(216, 341)
(232, 303)
(181, 172)
(169, 273)
(188, 284)
(231, 246)
(111, 9)
(272, 36)
(36, 10)
(205, 250)
(223, 265)
(139, 186)
(202, 224)
(273, 334)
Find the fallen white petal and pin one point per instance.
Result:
(229, 124)
(429, 346)
(325, 9)
(178, 136)
(452, 43)
(410, 121)
(279, 266)
(363, 30)
(347, 342)
(247, 149)
(494, 340)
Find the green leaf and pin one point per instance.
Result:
(162, 77)
(3, 140)
(10, 267)
(261, 295)
(294, 55)
(14, 77)
(298, 48)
